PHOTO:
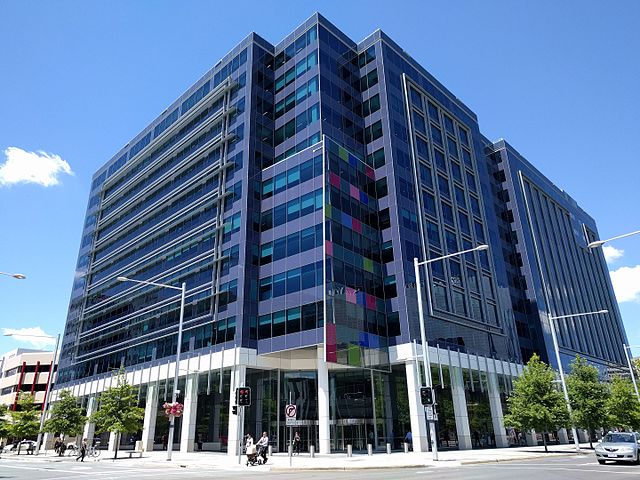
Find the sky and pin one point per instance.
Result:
(558, 80)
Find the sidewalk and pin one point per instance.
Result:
(335, 461)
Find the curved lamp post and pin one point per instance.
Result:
(174, 396)
(423, 334)
(18, 276)
(561, 370)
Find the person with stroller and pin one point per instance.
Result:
(263, 445)
(250, 450)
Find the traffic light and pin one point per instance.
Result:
(243, 396)
(426, 395)
(234, 409)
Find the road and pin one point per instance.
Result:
(582, 467)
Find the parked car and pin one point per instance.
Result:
(24, 446)
(619, 447)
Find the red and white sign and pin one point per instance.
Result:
(290, 413)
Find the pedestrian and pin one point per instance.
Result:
(83, 450)
(56, 445)
(408, 438)
(164, 441)
(296, 443)
(199, 442)
(263, 445)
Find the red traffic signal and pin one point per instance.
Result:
(243, 396)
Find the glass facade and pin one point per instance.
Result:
(290, 188)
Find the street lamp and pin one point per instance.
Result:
(47, 395)
(18, 276)
(599, 243)
(423, 335)
(627, 349)
(183, 290)
(561, 370)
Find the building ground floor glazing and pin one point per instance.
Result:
(336, 406)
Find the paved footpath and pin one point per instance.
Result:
(335, 461)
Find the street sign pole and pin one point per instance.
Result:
(290, 436)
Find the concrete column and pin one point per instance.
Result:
(150, 416)
(502, 441)
(45, 441)
(583, 436)
(460, 409)
(188, 434)
(112, 442)
(238, 376)
(563, 437)
(324, 430)
(532, 438)
(416, 410)
(388, 413)
(90, 428)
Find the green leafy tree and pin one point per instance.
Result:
(66, 416)
(4, 421)
(24, 421)
(623, 407)
(118, 410)
(588, 396)
(536, 403)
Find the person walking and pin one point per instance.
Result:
(296, 443)
(263, 445)
(83, 450)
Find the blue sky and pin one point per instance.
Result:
(558, 80)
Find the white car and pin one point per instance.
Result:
(619, 447)
(24, 446)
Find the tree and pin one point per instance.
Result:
(536, 403)
(24, 421)
(588, 396)
(623, 407)
(118, 410)
(66, 416)
(4, 423)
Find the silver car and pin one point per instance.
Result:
(619, 447)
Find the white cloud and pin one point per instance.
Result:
(24, 335)
(611, 254)
(40, 167)
(626, 283)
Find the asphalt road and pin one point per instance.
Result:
(575, 467)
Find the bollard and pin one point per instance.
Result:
(290, 450)
(312, 451)
(406, 447)
(369, 449)
(389, 448)
(270, 450)
(349, 450)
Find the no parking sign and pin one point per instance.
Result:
(290, 413)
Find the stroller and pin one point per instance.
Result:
(252, 456)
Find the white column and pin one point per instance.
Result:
(150, 416)
(502, 441)
(324, 430)
(532, 438)
(416, 410)
(112, 442)
(238, 376)
(90, 428)
(45, 441)
(563, 437)
(188, 433)
(460, 409)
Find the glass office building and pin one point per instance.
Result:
(290, 188)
